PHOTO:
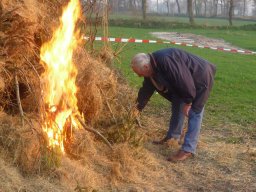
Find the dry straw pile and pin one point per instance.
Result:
(24, 26)
(103, 97)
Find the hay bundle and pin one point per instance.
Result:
(24, 25)
(97, 87)
(100, 97)
(21, 145)
(21, 37)
(18, 56)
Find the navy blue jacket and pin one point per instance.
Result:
(178, 73)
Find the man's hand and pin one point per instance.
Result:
(186, 109)
(134, 113)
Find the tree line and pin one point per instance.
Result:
(190, 8)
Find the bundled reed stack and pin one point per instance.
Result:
(18, 60)
(24, 26)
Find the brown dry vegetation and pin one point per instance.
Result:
(134, 164)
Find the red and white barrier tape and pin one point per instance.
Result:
(132, 40)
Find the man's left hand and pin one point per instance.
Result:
(186, 109)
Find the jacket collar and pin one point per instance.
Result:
(153, 63)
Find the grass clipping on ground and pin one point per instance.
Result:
(101, 98)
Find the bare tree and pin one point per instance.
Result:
(196, 8)
(244, 6)
(226, 7)
(157, 6)
(254, 7)
(190, 11)
(131, 5)
(178, 6)
(230, 12)
(240, 7)
(215, 13)
(144, 9)
(120, 4)
(205, 7)
(222, 4)
(244, 10)
(167, 6)
(199, 5)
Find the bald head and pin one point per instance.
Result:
(141, 65)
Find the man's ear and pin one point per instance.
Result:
(148, 69)
(145, 67)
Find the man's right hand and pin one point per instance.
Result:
(186, 109)
(134, 113)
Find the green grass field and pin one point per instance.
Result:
(233, 96)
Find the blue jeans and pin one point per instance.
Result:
(176, 125)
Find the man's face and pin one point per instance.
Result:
(142, 72)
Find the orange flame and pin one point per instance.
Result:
(60, 76)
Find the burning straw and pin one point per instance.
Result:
(97, 93)
(60, 77)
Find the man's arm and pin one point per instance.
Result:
(144, 94)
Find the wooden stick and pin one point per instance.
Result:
(18, 99)
(108, 105)
(40, 105)
(90, 129)
(111, 111)
(138, 122)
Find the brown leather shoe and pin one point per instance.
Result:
(160, 142)
(180, 156)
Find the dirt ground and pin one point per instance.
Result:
(193, 39)
(217, 166)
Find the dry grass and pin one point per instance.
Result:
(100, 98)
(218, 165)
(97, 86)
(21, 145)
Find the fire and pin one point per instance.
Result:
(59, 78)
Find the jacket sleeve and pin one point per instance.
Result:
(144, 94)
(180, 78)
